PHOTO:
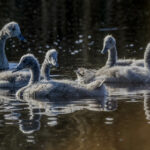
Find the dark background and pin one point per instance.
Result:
(76, 28)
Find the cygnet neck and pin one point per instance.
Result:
(35, 73)
(3, 58)
(45, 69)
(112, 57)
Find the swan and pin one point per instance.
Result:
(119, 74)
(11, 29)
(21, 78)
(109, 45)
(54, 88)
(128, 74)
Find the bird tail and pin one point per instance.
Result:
(95, 85)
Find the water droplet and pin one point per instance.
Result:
(141, 48)
(29, 49)
(91, 43)
(109, 119)
(89, 36)
(55, 43)
(47, 46)
(52, 123)
(80, 36)
(40, 51)
(131, 45)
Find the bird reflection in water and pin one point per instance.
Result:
(54, 108)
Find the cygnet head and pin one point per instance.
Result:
(84, 75)
(27, 61)
(12, 29)
(52, 57)
(80, 72)
(108, 44)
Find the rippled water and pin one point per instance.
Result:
(76, 29)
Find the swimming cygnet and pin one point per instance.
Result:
(10, 30)
(54, 88)
(21, 78)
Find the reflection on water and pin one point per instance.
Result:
(32, 116)
(74, 124)
(76, 29)
(37, 108)
(103, 124)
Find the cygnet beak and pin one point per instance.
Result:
(18, 68)
(15, 70)
(54, 62)
(104, 50)
(21, 38)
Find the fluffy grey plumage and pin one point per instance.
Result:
(85, 76)
(109, 46)
(29, 61)
(55, 88)
(21, 78)
(11, 29)
(61, 89)
(127, 74)
(14, 80)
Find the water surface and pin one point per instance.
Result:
(76, 29)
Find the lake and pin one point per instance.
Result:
(76, 29)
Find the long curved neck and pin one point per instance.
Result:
(147, 57)
(35, 74)
(112, 57)
(3, 58)
(45, 70)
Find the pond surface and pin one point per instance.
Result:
(76, 29)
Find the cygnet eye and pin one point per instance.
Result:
(23, 61)
(110, 40)
(13, 28)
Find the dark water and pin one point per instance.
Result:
(76, 29)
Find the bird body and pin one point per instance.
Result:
(129, 74)
(119, 74)
(54, 88)
(10, 30)
(21, 78)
